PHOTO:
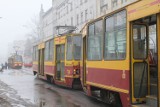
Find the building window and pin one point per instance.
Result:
(104, 8)
(123, 1)
(71, 21)
(71, 7)
(102, 2)
(81, 17)
(60, 13)
(67, 9)
(114, 3)
(77, 3)
(81, 2)
(77, 19)
(86, 14)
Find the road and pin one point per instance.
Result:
(21, 89)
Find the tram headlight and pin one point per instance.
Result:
(76, 71)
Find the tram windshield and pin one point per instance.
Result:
(18, 58)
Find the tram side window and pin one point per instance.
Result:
(36, 53)
(62, 52)
(95, 41)
(33, 55)
(51, 49)
(47, 51)
(77, 47)
(69, 48)
(115, 37)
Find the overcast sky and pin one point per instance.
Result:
(15, 15)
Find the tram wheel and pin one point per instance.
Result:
(51, 80)
(114, 99)
(111, 98)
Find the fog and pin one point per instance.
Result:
(16, 14)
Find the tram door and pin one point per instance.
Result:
(144, 59)
(158, 58)
(60, 61)
(41, 61)
(84, 61)
(139, 62)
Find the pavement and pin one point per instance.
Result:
(10, 98)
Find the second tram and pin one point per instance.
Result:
(58, 60)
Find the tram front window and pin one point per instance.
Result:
(18, 58)
(77, 47)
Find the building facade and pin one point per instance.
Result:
(46, 23)
(106, 6)
(74, 12)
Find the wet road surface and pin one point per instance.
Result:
(38, 93)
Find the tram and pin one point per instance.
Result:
(15, 62)
(27, 61)
(120, 56)
(58, 60)
(35, 59)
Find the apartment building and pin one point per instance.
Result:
(106, 6)
(74, 12)
(46, 23)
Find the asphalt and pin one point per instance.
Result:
(19, 88)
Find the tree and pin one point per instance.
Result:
(34, 27)
(28, 47)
